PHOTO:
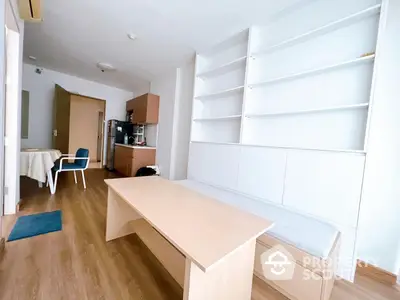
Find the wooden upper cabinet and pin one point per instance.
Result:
(145, 109)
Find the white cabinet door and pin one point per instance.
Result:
(214, 164)
(347, 258)
(262, 172)
(327, 185)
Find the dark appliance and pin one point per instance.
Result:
(116, 131)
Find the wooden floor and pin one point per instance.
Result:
(76, 263)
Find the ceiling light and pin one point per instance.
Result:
(105, 67)
(32, 57)
(132, 36)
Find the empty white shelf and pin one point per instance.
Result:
(215, 143)
(324, 29)
(309, 149)
(307, 111)
(225, 68)
(350, 63)
(350, 151)
(222, 93)
(225, 118)
(240, 38)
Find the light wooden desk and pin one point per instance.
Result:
(217, 240)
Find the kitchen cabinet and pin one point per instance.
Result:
(122, 159)
(129, 159)
(144, 109)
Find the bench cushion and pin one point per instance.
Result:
(304, 232)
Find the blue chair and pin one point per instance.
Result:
(81, 163)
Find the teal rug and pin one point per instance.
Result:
(33, 225)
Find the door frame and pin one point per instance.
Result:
(101, 135)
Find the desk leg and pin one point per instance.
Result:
(120, 217)
(231, 278)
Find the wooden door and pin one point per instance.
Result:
(61, 117)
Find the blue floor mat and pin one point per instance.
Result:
(37, 224)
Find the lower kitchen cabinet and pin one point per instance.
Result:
(130, 159)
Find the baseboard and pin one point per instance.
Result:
(376, 273)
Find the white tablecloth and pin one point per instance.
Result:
(35, 163)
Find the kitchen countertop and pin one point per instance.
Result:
(135, 146)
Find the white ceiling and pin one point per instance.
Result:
(75, 35)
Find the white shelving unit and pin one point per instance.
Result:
(281, 113)
(218, 101)
(306, 90)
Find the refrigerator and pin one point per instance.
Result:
(115, 135)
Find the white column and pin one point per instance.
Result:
(379, 220)
(2, 112)
(14, 44)
(165, 87)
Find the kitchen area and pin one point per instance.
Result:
(127, 149)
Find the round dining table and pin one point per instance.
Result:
(37, 164)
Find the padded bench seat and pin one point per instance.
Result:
(303, 232)
(313, 245)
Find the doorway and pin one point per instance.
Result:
(76, 124)
(86, 127)
(100, 136)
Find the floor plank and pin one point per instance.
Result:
(76, 263)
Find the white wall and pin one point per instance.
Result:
(41, 93)
(398, 262)
(379, 221)
(182, 122)
(165, 87)
(2, 107)
(172, 135)
(13, 106)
